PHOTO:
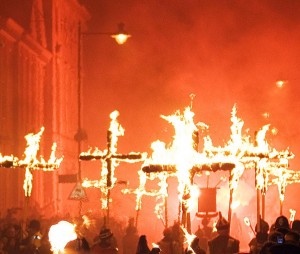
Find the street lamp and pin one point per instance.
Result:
(120, 37)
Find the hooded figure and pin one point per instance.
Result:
(282, 224)
(142, 247)
(106, 243)
(130, 239)
(223, 243)
(261, 237)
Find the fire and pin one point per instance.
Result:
(181, 159)
(154, 245)
(214, 226)
(110, 160)
(292, 215)
(60, 234)
(247, 221)
(188, 238)
(31, 162)
(235, 204)
(181, 154)
(280, 83)
(6, 161)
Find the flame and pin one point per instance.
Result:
(110, 160)
(266, 115)
(30, 162)
(235, 204)
(292, 216)
(60, 234)
(214, 226)
(182, 159)
(247, 221)
(281, 83)
(6, 161)
(188, 238)
(86, 221)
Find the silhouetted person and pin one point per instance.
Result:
(260, 238)
(142, 246)
(167, 244)
(282, 224)
(130, 239)
(296, 226)
(155, 250)
(195, 245)
(80, 245)
(33, 241)
(106, 243)
(223, 243)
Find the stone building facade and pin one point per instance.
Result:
(39, 87)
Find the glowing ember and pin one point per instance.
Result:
(280, 83)
(60, 234)
(266, 115)
(274, 131)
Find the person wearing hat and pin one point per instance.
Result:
(261, 236)
(223, 243)
(33, 241)
(282, 224)
(106, 243)
(167, 244)
(130, 239)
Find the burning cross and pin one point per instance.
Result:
(30, 162)
(181, 160)
(110, 160)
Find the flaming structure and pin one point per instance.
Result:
(257, 155)
(31, 162)
(182, 160)
(110, 160)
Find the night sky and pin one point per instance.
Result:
(224, 52)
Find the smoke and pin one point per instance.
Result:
(225, 52)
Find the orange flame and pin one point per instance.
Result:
(247, 221)
(292, 216)
(114, 132)
(30, 162)
(60, 234)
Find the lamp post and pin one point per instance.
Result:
(120, 37)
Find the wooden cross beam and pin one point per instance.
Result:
(110, 160)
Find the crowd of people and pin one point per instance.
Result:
(281, 237)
